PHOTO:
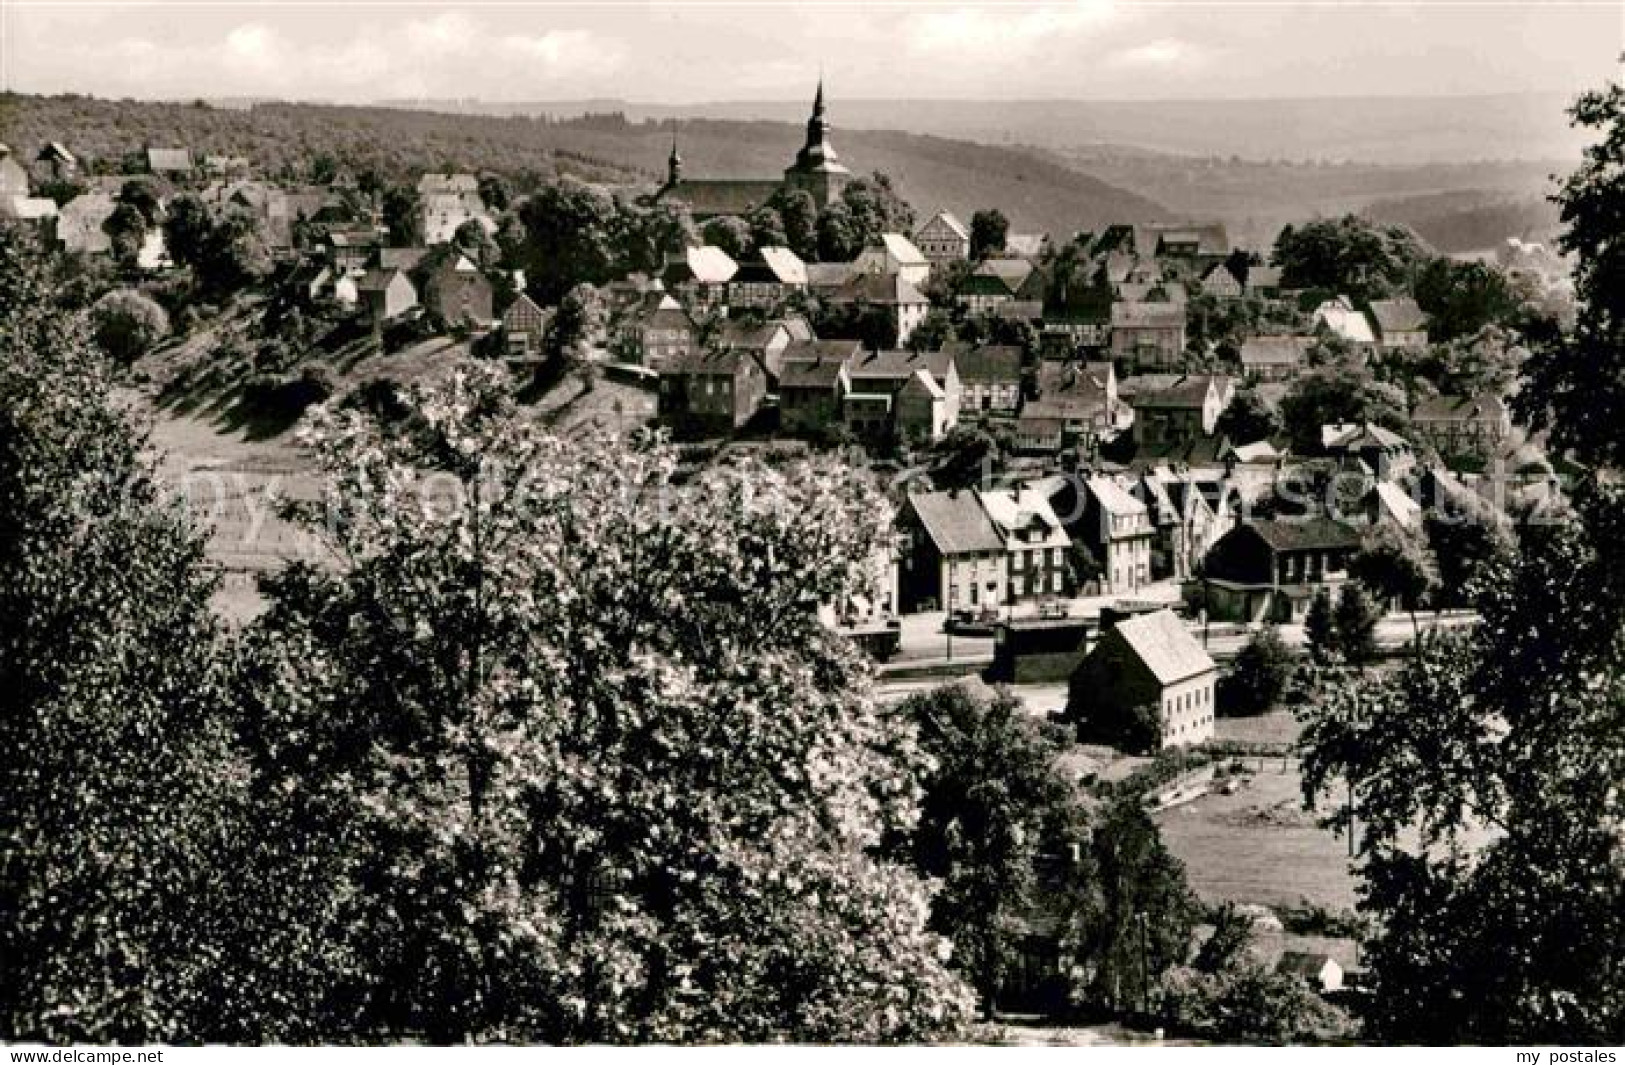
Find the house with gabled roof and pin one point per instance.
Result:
(993, 282)
(1463, 425)
(1264, 281)
(1373, 448)
(1186, 524)
(386, 294)
(169, 161)
(813, 383)
(1082, 394)
(1148, 334)
(711, 390)
(1271, 570)
(943, 238)
(768, 279)
(879, 376)
(951, 554)
(700, 276)
(1183, 410)
(1221, 283)
(79, 223)
(1401, 325)
(60, 163)
(524, 323)
(894, 255)
(658, 331)
(1036, 544)
(1274, 358)
(1149, 662)
(1339, 318)
(904, 304)
(990, 375)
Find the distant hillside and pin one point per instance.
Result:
(1471, 219)
(1037, 193)
(1255, 197)
(1403, 130)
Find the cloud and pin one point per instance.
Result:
(1162, 54)
(995, 33)
(447, 54)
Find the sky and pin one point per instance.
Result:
(690, 52)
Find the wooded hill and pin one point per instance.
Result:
(285, 140)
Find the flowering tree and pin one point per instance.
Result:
(615, 781)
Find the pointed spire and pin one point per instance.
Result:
(818, 100)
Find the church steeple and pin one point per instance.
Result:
(817, 169)
(817, 153)
(674, 164)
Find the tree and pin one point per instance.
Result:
(581, 317)
(472, 239)
(1319, 628)
(1145, 910)
(840, 237)
(1339, 394)
(1470, 541)
(1348, 255)
(495, 193)
(127, 230)
(570, 234)
(133, 878)
(988, 230)
(669, 839)
(235, 253)
(767, 228)
(1248, 418)
(732, 235)
(403, 215)
(1516, 725)
(1258, 676)
(187, 228)
(1461, 298)
(798, 220)
(141, 194)
(969, 456)
(1244, 1002)
(992, 807)
(1395, 566)
(1356, 618)
(127, 324)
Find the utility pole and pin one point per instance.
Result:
(1350, 785)
(1142, 920)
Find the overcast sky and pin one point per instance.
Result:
(675, 52)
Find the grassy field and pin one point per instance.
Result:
(1259, 845)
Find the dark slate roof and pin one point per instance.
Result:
(700, 359)
(956, 522)
(1183, 394)
(1166, 647)
(722, 196)
(162, 160)
(1306, 534)
(378, 280)
(899, 365)
(1148, 315)
(880, 289)
(986, 362)
(1275, 351)
(1398, 316)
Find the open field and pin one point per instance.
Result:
(1259, 845)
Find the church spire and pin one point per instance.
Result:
(674, 162)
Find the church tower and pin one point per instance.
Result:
(674, 165)
(817, 169)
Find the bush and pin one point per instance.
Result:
(283, 398)
(127, 324)
(1258, 676)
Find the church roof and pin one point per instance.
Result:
(710, 197)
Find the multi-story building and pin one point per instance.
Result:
(943, 239)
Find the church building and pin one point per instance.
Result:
(817, 170)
